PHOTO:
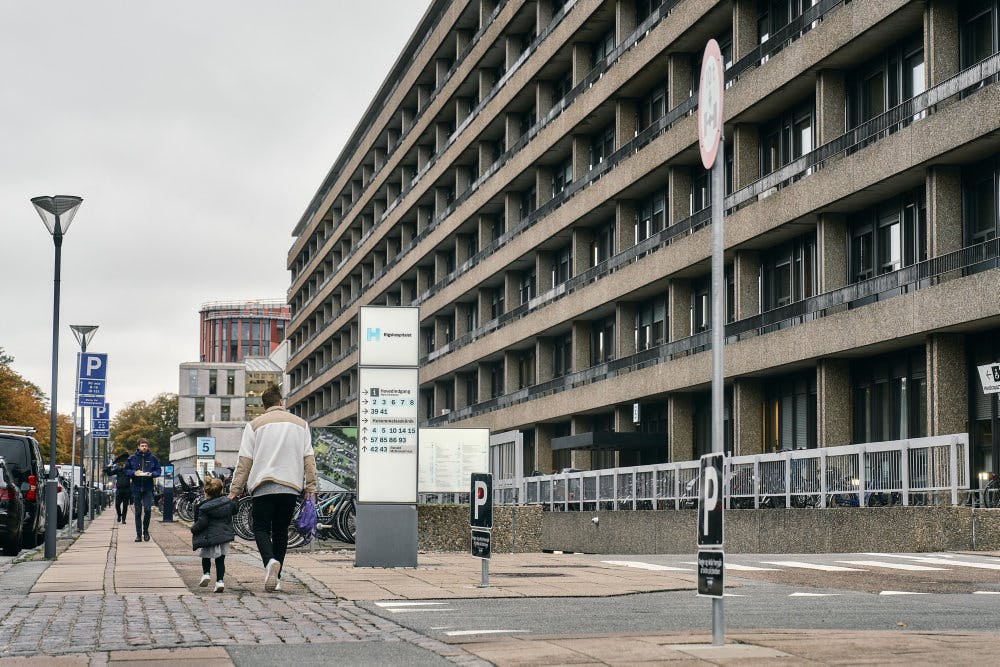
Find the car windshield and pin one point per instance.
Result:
(15, 452)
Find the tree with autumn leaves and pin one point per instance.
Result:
(154, 420)
(23, 403)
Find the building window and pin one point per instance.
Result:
(447, 397)
(890, 397)
(496, 301)
(427, 400)
(231, 383)
(882, 83)
(527, 286)
(788, 273)
(602, 145)
(213, 385)
(562, 355)
(471, 388)
(786, 138)
(701, 191)
(526, 368)
(199, 409)
(981, 184)
(650, 323)
(527, 204)
(653, 107)
(888, 237)
(192, 382)
(979, 29)
(562, 177)
(562, 268)
(651, 216)
(603, 245)
(471, 317)
(562, 85)
(602, 340)
(701, 306)
(224, 409)
(496, 379)
(790, 413)
(603, 47)
(645, 8)
(701, 417)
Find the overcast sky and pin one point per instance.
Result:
(196, 133)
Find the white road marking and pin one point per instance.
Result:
(646, 566)
(742, 568)
(463, 633)
(812, 566)
(986, 592)
(954, 562)
(733, 595)
(814, 595)
(892, 566)
(408, 604)
(421, 610)
(440, 627)
(900, 593)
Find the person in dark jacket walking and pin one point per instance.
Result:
(123, 487)
(212, 531)
(142, 467)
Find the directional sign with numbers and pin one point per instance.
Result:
(206, 447)
(387, 435)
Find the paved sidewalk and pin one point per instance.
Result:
(106, 559)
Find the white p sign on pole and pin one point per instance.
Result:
(710, 503)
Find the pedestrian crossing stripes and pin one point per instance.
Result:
(646, 566)
(812, 566)
(893, 566)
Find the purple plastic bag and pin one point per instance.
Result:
(307, 520)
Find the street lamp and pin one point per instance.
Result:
(84, 333)
(57, 213)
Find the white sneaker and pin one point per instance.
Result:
(220, 586)
(271, 574)
(277, 586)
(205, 578)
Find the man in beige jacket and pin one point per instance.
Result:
(276, 465)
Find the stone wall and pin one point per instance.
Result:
(831, 530)
(446, 528)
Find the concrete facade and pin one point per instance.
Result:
(528, 176)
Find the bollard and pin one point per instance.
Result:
(168, 505)
(80, 514)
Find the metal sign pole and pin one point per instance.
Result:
(72, 461)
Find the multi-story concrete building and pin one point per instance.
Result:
(528, 175)
(232, 330)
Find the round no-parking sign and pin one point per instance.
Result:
(710, 90)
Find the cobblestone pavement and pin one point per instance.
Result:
(64, 624)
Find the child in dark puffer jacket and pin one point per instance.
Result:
(212, 532)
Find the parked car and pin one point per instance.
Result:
(11, 512)
(24, 460)
(62, 499)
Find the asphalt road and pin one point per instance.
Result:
(829, 591)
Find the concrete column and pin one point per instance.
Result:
(543, 359)
(424, 216)
(680, 431)
(581, 61)
(511, 210)
(831, 249)
(512, 129)
(624, 119)
(512, 50)
(462, 39)
(947, 384)
(678, 79)
(441, 133)
(423, 156)
(744, 27)
(486, 9)
(581, 157)
(440, 404)
(581, 459)
(679, 309)
(833, 402)
(487, 79)
(406, 234)
(423, 96)
(485, 301)
(623, 419)
(461, 249)
(746, 265)
(424, 277)
(511, 290)
(543, 185)
(441, 66)
(510, 359)
(748, 411)
(543, 99)
(944, 210)
(581, 345)
(543, 271)
(624, 225)
(543, 15)
(391, 137)
(624, 19)
(678, 194)
(461, 323)
(407, 115)
(625, 319)
(582, 238)
(366, 174)
(483, 370)
(746, 155)
(941, 49)
(484, 156)
(831, 105)
(463, 179)
(486, 230)
(463, 107)
(543, 449)
(460, 386)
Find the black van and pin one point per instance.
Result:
(24, 459)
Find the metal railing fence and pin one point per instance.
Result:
(916, 471)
